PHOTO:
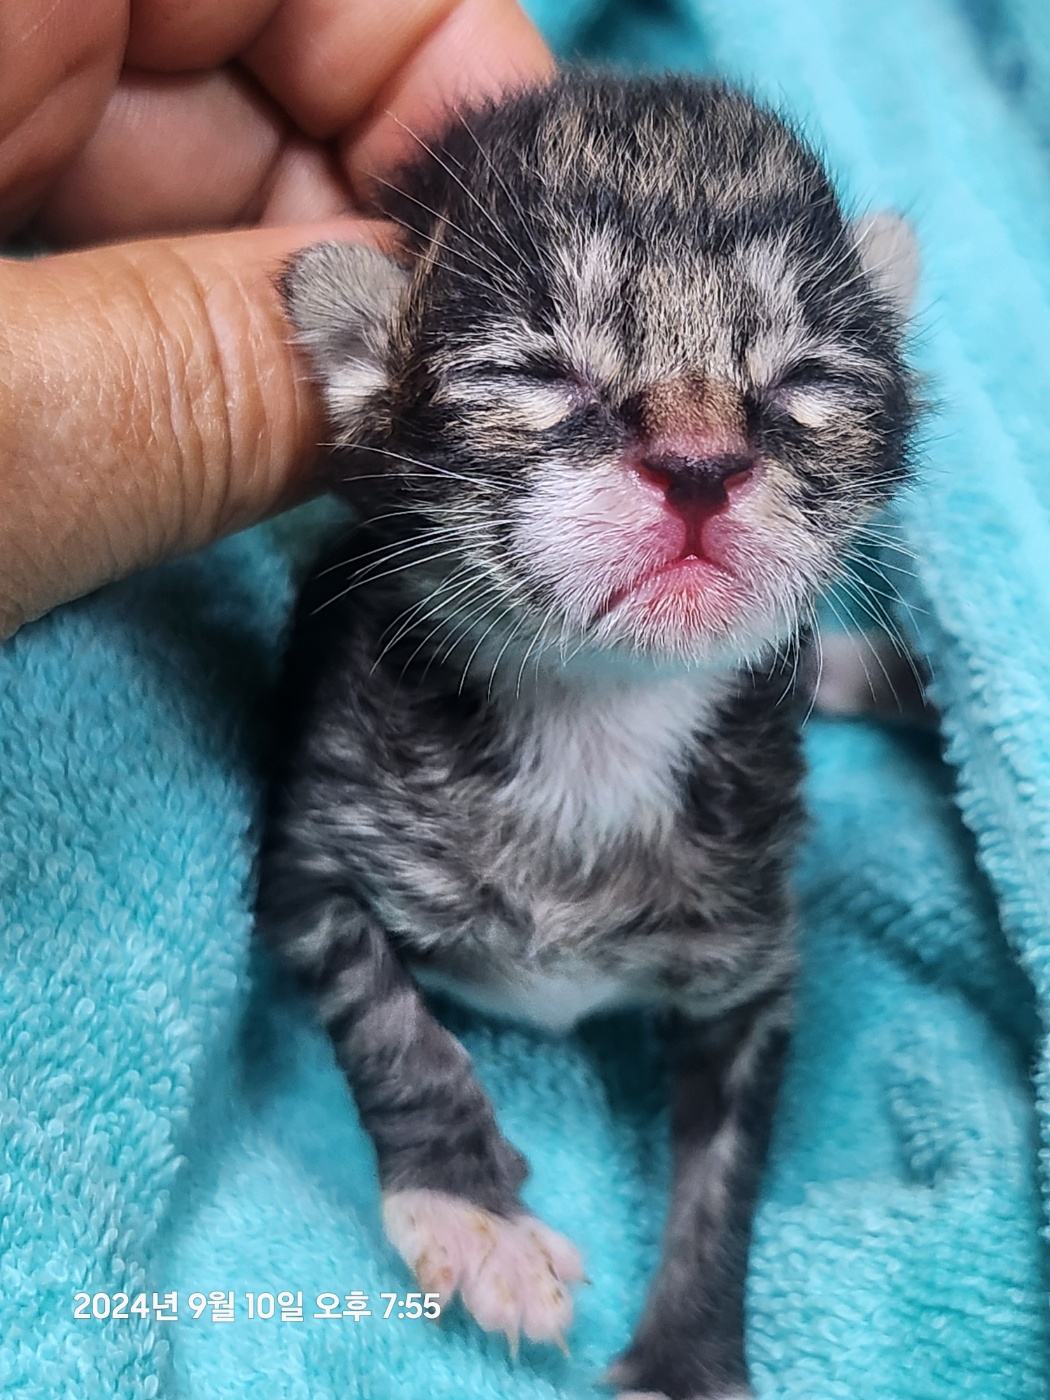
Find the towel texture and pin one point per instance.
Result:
(172, 1121)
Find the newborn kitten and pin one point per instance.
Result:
(609, 420)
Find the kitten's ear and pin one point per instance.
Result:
(889, 254)
(343, 299)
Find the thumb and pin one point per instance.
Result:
(150, 401)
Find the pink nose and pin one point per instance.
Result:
(698, 484)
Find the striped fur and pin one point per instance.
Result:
(538, 738)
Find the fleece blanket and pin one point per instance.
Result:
(171, 1121)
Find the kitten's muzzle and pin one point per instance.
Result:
(692, 483)
(698, 487)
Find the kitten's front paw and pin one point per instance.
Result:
(511, 1274)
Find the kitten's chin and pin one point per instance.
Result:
(686, 591)
(694, 613)
(685, 608)
(723, 594)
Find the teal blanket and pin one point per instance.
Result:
(171, 1121)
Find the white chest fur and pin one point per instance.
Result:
(595, 761)
(599, 759)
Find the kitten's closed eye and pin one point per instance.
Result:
(808, 373)
(804, 402)
(539, 393)
(810, 392)
(536, 369)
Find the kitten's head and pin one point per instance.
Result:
(634, 377)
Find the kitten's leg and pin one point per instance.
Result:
(449, 1178)
(689, 1344)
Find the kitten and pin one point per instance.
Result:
(609, 420)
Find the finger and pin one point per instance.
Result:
(150, 400)
(324, 62)
(331, 65)
(483, 48)
(193, 34)
(171, 154)
(306, 184)
(58, 66)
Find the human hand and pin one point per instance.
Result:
(149, 398)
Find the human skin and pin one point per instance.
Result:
(150, 397)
